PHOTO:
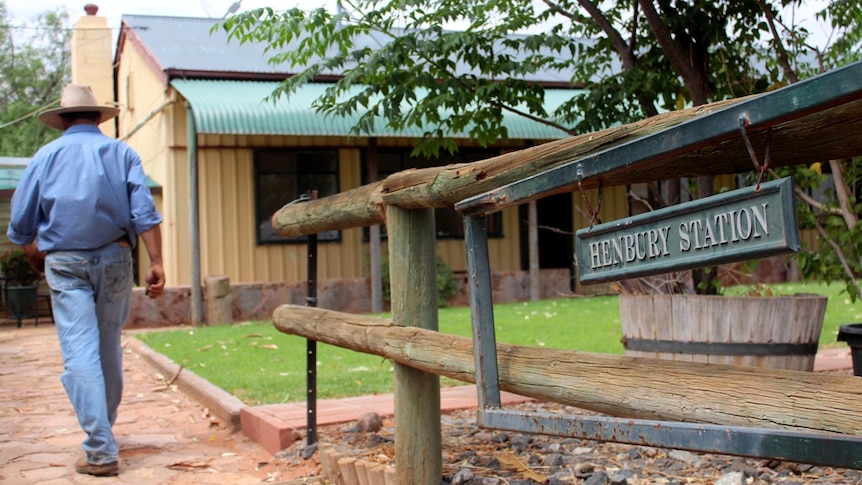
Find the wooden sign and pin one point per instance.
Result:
(733, 226)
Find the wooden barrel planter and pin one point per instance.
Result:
(777, 332)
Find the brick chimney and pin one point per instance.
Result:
(91, 58)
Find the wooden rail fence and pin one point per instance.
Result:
(620, 386)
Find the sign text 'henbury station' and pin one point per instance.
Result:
(732, 226)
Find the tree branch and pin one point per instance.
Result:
(814, 204)
(624, 50)
(534, 118)
(841, 192)
(783, 59)
(626, 55)
(838, 252)
(692, 78)
(451, 75)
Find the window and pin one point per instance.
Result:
(282, 176)
(449, 224)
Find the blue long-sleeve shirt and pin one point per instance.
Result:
(82, 191)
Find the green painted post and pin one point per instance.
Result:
(413, 280)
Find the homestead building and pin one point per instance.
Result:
(223, 159)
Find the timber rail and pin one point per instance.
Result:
(786, 415)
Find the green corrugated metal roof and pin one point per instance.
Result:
(238, 108)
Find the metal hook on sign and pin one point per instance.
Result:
(744, 121)
(592, 214)
(599, 200)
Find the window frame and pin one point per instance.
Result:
(408, 160)
(292, 167)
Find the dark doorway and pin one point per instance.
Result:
(556, 234)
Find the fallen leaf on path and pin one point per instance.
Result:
(185, 465)
(510, 461)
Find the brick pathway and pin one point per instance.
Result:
(165, 437)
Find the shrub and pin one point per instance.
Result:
(17, 270)
(447, 287)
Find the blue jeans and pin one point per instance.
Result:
(90, 292)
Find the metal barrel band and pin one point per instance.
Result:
(720, 348)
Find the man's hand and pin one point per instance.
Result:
(156, 276)
(155, 281)
(35, 257)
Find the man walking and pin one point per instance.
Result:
(77, 212)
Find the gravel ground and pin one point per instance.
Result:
(474, 456)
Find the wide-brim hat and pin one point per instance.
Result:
(76, 98)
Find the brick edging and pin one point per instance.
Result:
(222, 404)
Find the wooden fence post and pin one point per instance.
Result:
(413, 282)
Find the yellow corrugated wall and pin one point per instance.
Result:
(227, 225)
(141, 94)
(614, 205)
(504, 253)
(227, 213)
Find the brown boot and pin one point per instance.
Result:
(103, 470)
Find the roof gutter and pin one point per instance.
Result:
(174, 73)
(194, 218)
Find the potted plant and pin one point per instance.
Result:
(20, 283)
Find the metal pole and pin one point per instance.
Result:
(482, 313)
(194, 220)
(374, 235)
(311, 345)
(533, 248)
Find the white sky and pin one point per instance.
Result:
(22, 11)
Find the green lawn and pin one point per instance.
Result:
(260, 365)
